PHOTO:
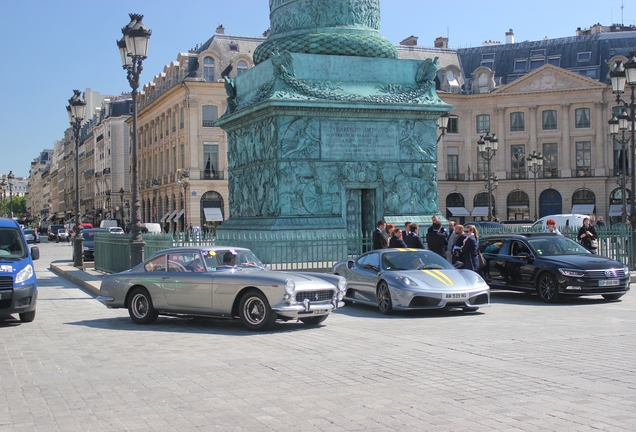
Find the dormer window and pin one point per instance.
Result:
(234, 46)
(241, 67)
(584, 56)
(208, 69)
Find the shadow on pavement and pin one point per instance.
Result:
(532, 299)
(364, 310)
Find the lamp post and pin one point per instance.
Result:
(535, 164)
(3, 189)
(442, 124)
(76, 109)
(133, 48)
(155, 186)
(184, 180)
(620, 76)
(11, 180)
(617, 124)
(487, 146)
(108, 204)
(121, 206)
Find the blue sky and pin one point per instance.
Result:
(52, 47)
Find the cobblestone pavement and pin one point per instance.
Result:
(519, 365)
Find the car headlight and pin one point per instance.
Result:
(84, 248)
(407, 281)
(342, 284)
(572, 273)
(626, 270)
(24, 274)
(290, 286)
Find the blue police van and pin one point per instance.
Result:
(18, 283)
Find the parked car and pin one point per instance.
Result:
(63, 235)
(221, 282)
(398, 279)
(116, 230)
(31, 235)
(89, 243)
(18, 282)
(573, 221)
(52, 231)
(551, 265)
(485, 224)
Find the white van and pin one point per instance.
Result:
(572, 221)
(108, 224)
(153, 228)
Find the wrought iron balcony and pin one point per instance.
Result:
(516, 175)
(552, 173)
(479, 176)
(455, 177)
(89, 173)
(583, 172)
(106, 171)
(98, 174)
(212, 175)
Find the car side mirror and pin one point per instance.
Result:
(524, 256)
(35, 253)
(350, 264)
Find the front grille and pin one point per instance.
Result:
(419, 301)
(6, 281)
(314, 296)
(480, 299)
(611, 274)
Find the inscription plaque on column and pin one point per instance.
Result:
(350, 141)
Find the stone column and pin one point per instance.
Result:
(565, 162)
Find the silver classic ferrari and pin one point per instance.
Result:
(221, 282)
(396, 279)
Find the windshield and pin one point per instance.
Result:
(61, 231)
(12, 244)
(229, 258)
(413, 260)
(556, 246)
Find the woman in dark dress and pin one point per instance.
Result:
(587, 233)
(470, 249)
(459, 242)
(396, 239)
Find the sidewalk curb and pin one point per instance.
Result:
(78, 276)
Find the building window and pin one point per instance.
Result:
(517, 123)
(161, 129)
(549, 119)
(588, 72)
(210, 115)
(537, 53)
(550, 160)
(181, 116)
(453, 125)
(210, 160)
(452, 163)
(483, 123)
(536, 63)
(241, 67)
(174, 121)
(582, 116)
(521, 65)
(583, 158)
(584, 56)
(482, 167)
(182, 155)
(518, 161)
(488, 60)
(174, 160)
(156, 131)
(208, 69)
(234, 46)
(554, 60)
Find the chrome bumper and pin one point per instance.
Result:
(307, 306)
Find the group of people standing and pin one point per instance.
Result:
(457, 244)
(587, 235)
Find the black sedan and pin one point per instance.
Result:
(552, 265)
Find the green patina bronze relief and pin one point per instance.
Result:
(331, 27)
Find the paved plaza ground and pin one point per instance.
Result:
(518, 365)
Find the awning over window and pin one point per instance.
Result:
(176, 218)
(518, 207)
(213, 214)
(480, 211)
(617, 209)
(586, 209)
(170, 216)
(458, 211)
(164, 217)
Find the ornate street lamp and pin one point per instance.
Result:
(442, 124)
(487, 146)
(3, 189)
(133, 48)
(615, 127)
(155, 186)
(76, 110)
(121, 206)
(11, 180)
(535, 164)
(620, 76)
(184, 180)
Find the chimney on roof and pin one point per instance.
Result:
(267, 32)
(409, 41)
(441, 42)
(510, 37)
(220, 29)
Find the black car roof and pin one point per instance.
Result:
(518, 235)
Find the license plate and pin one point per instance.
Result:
(609, 282)
(320, 312)
(455, 296)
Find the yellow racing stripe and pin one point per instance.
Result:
(439, 276)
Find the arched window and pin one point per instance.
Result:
(518, 204)
(241, 67)
(208, 69)
(212, 208)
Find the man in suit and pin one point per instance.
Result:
(379, 241)
(436, 239)
(435, 219)
(413, 240)
(406, 232)
(451, 236)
